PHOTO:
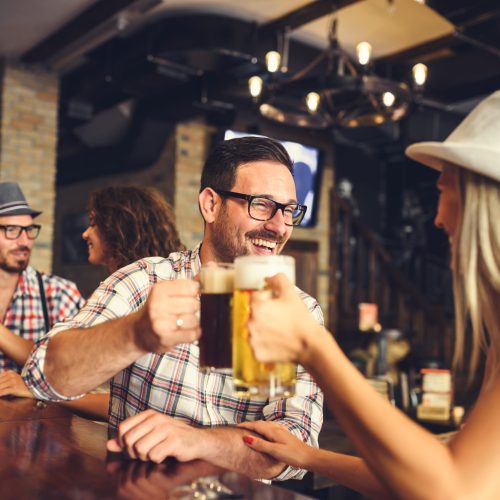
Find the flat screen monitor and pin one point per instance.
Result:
(306, 161)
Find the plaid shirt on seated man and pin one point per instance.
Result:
(30, 302)
(172, 383)
(138, 329)
(25, 314)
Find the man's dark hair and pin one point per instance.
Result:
(219, 171)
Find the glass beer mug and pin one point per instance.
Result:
(217, 284)
(251, 377)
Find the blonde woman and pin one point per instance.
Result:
(398, 458)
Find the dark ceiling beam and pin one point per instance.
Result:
(96, 14)
(422, 50)
(303, 15)
(426, 50)
(460, 12)
(480, 19)
(457, 37)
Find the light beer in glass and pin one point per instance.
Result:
(251, 377)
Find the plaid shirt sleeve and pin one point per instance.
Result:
(63, 298)
(120, 294)
(301, 414)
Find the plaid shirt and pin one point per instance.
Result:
(24, 317)
(172, 383)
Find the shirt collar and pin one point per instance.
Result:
(195, 258)
(27, 283)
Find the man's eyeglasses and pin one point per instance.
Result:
(13, 232)
(262, 209)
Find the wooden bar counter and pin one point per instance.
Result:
(47, 452)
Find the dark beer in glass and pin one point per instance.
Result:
(217, 284)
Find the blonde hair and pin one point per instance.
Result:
(476, 269)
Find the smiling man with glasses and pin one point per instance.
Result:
(248, 202)
(30, 302)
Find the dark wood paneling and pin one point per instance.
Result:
(306, 254)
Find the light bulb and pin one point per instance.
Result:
(419, 74)
(421, 1)
(388, 98)
(255, 86)
(312, 101)
(273, 60)
(364, 52)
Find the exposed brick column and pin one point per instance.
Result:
(28, 141)
(193, 141)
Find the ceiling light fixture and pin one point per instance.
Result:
(255, 84)
(364, 52)
(312, 101)
(333, 90)
(388, 98)
(419, 72)
(273, 61)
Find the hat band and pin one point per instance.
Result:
(9, 207)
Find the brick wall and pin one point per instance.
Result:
(28, 140)
(193, 141)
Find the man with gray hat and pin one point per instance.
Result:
(30, 302)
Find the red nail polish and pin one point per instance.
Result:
(248, 439)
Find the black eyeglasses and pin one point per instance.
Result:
(262, 208)
(12, 232)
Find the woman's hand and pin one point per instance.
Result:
(279, 443)
(12, 384)
(280, 326)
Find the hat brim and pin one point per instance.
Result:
(479, 159)
(21, 211)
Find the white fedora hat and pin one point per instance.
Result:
(474, 144)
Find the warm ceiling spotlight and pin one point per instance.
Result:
(312, 101)
(255, 86)
(421, 1)
(363, 52)
(419, 74)
(273, 60)
(388, 98)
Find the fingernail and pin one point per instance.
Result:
(248, 439)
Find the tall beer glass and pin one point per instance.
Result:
(217, 284)
(251, 377)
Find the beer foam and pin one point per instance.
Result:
(217, 279)
(251, 270)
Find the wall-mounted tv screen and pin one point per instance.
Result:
(306, 161)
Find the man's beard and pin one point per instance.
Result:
(229, 242)
(19, 267)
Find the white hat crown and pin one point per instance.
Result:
(474, 144)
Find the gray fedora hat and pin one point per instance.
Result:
(13, 202)
(474, 144)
